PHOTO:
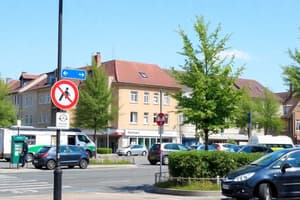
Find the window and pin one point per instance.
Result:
(166, 118)
(294, 159)
(31, 140)
(133, 117)
(146, 118)
(28, 101)
(28, 120)
(297, 125)
(133, 96)
(166, 99)
(154, 117)
(143, 74)
(286, 109)
(155, 98)
(146, 97)
(44, 117)
(44, 99)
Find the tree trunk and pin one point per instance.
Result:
(206, 139)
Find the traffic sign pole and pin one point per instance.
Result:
(57, 182)
(160, 136)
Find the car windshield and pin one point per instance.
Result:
(269, 158)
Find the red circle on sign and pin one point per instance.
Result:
(58, 88)
(160, 119)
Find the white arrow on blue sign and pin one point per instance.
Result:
(73, 74)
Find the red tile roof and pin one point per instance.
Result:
(13, 86)
(254, 88)
(25, 75)
(130, 73)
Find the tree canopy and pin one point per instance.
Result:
(93, 110)
(8, 114)
(266, 114)
(212, 103)
(291, 73)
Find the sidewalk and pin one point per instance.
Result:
(112, 196)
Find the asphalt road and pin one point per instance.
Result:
(134, 179)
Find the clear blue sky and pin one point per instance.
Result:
(145, 31)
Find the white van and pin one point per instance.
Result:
(38, 137)
(273, 142)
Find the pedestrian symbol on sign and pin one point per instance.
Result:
(65, 94)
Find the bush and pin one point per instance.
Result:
(104, 150)
(207, 164)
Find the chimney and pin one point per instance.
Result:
(97, 59)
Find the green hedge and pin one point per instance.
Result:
(206, 164)
(104, 150)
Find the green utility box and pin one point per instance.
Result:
(16, 148)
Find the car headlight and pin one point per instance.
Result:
(243, 177)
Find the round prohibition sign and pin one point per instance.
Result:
(64, 94)
(160, 119)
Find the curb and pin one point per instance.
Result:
(185, 192)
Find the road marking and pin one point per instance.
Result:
(17, 185)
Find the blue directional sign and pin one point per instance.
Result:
(74, 74)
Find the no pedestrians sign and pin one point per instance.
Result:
(64, 94)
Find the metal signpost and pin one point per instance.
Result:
(160, 121)
(57, 171)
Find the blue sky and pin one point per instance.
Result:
(146, 31)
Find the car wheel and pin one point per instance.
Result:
(264, 192)
(83, 164)
(165, 160)
(152, 162)
(50, 164)
(144, 153)
(128, 153)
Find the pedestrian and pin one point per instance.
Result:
(24, 153)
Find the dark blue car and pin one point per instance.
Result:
(70, 155)
(276, 174)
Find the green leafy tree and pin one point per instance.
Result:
(266, 114)
(246, 107)
(94, 108)
(291, 73)
(212, 103)
(8, 114)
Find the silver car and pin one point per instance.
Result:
(132, 150)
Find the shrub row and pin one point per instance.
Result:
(104, 150)
(207, 164)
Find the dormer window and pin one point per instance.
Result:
(143, 74)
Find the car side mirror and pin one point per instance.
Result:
(285, 166)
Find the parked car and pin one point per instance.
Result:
(70, 155)
(226, 147)
(255, 149)
(132, 150)
(166, 148)
(274, 175)
(210, 147)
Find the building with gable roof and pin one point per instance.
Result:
(137, 88)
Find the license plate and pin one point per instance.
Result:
(225, 187)
(35, 161)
